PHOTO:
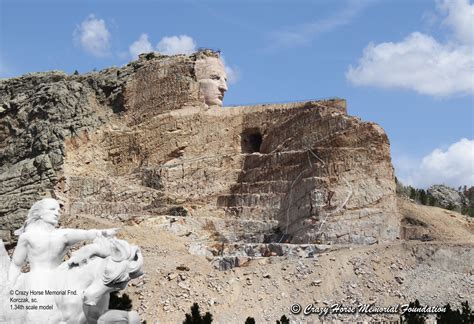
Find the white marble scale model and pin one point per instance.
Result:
(72, 291)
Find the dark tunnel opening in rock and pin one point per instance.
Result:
(251, 141)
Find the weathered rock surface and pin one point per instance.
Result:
(436, 272)
(136, 148)
(447, 197)
(39, 112)
(137, 142)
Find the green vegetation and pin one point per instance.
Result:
(463, 316)
(413, 318)
(196, 318)
(424, 197)
(122, 303)
(283, 320)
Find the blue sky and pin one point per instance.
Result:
(406, 65)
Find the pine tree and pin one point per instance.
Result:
(122, 303)
(431, 200)
(283, 320)
(412, 193)
(422, 195)
(413, 318)
(467, 315)
(250, 320)
(449, 316)
(196, 318)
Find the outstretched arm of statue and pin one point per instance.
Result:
(18, 259)
(73, 236)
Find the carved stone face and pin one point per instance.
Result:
(212, 79)
(50, 212)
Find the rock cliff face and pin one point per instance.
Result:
(138, 142)
(448, 198)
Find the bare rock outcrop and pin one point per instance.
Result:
(139, 141)
(447, 197)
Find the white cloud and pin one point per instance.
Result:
(453, 167)
(304, 33)
(172, 45)
(420, 62)
(142, 45)
(460, 17)
(93, 36)
(233, 72)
